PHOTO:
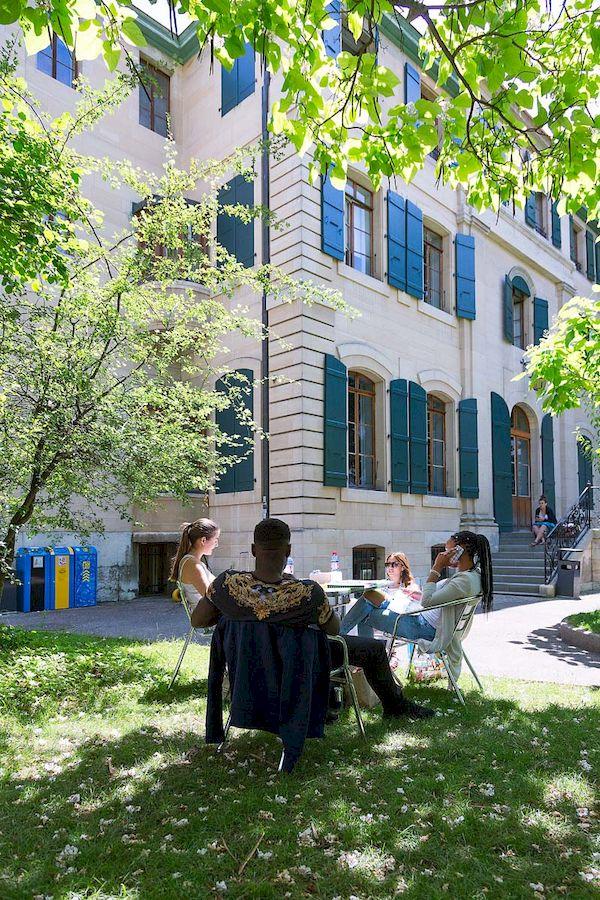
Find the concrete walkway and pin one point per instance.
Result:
(519, 639)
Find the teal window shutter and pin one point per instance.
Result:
(464, 247)
(414, 250)
(417, 431)
(412, 84)
(468, 451)
(530, 211)
(501, 463)
(239, 82)
(399, 435)
(556, 236)
(235, 236)
(333, 37)
(597, 250)
(240, 475)
(507, 311)
(396, 241)
(540, 318)
(584, 467)
(332, 219)
(335, 442)
(547, 438)
(589, 251)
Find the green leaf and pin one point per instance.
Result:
(132, 32)
(10, 10)
(111, 55)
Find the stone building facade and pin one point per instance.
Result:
(394, 428)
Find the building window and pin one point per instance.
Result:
(574, 233)
(519, 318)
(154, 93)
(365, 563)
(436, 445)
(428, 94)
(540, 214)
(359, 228)
(433, 273)
(57, 61)
(361, 431)
(366, 42)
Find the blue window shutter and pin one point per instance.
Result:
(226, 224)
(508, 312)
(240, 475)
(246, 79)
(589, 253)
(540, 318)
(547, 437)
(468, 451)
(414, 250)
(239, 82)
(399, 435)
(556, 236)
(501, 463)
(235, 236)
(530, 211)
(597, 250)
(335, 443)
(244, 231)
(332, 219)
(464, 246)
(417, 430)
(412, 84)
(333, 37)
(396, 241)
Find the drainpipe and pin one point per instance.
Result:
(266, 258)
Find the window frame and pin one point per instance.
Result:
(575, 232)
(518, 303)
(356, 393)
(350, 202)
(436, 407)
(427, 229)
(53, 46)
(149, 90)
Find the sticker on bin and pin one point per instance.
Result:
(38, 562)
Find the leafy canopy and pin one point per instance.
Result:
(518, 83)
(111, 343)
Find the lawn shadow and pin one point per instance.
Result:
(161, 811)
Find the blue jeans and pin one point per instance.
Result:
(368, 617)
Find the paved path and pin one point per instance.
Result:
(519, 639)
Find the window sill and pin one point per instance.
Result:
(367, 281)
(440, 314)
(233, 499)
(441, 502)
(358, 495)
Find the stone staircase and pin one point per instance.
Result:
(518, 567)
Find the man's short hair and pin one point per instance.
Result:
(272, 533)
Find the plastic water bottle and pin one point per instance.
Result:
(336, 574)
(289, 569)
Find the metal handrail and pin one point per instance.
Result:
(569, 530)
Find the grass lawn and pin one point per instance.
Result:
(589, 621)
(107, 790)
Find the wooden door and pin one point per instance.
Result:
(520, 448)
(155, 564)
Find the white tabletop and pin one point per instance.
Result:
(352, 584)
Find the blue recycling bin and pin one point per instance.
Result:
(35, 570)
(85, 576)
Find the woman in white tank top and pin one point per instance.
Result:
(198, 539)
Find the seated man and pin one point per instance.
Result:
(269, 594)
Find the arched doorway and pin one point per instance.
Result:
(520, 449)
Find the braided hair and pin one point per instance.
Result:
(478, 548)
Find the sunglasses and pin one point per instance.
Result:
(392, 564)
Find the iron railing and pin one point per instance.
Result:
(570, 529)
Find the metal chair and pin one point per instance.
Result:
(342, 675)
(189, 636)
(463, 623)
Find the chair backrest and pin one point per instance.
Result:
(463, 622)
(184, 600)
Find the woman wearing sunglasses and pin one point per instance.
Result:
(380, 608)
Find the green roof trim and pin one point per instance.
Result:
(407, 38)
(179, 47)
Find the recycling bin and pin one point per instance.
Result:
(35, 570)
(64, 559)
(85, 576)
(569, 572)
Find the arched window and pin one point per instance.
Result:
(361, 431)
(436, 445)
